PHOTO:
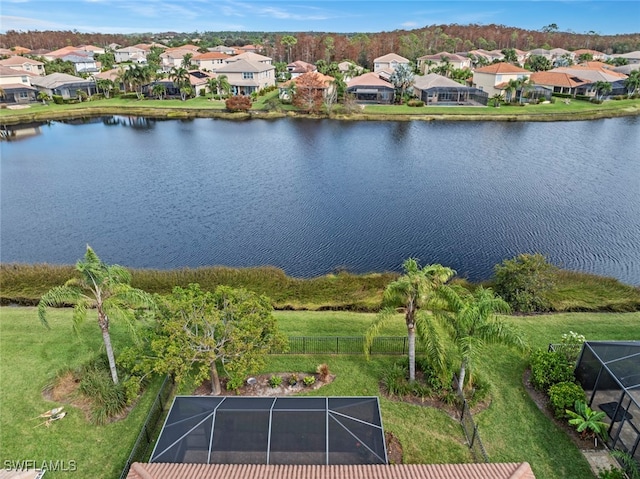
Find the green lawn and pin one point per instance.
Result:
(512, 428)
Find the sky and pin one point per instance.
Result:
(605, 17)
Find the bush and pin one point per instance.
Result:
(293, 380)
(395, 380)
(611, 473)
(549, 368)
(323, 372)
(571, 345)
(238, 103)
(129, 96)
(57, 99)
(562, 396)
(275, 381)
(203, 92)
(309, 380)
(415, 102)
(525, 282)
(108, 399)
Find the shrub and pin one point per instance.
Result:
(323, 372)
(571, 345)
(309, 380)
(563, 396)
(129, 96)
(203, 92)
(238, 103)
(108, 399)
(293, 380)
(611, 473)
(275, 381)
(415, 102)
(395, 380)
(57, 99)
(525, 282)
(549, 368)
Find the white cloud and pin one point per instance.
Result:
(410, 24)
(9, 22)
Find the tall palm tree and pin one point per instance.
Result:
(632, 82)
(224, 85)
(100, 286)
(105, 86)
(159, 90)
(212, 85)
(414, 293)
(603, 88)
(179, 76)
(512, 87)
(288, 41)
(402, 78)
(473, 324)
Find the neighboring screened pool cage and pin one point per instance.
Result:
(609, 372)
(272, 430)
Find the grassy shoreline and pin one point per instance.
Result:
(203, 108)
(24, 284)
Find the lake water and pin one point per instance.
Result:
(311, 196)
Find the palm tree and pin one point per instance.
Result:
(603, 88)
(137, 76)
(632, 82)
(185, 91)
(100, 286)
(525, 85)
(474, 324)
(159, 90)
(43, 97)
(179, 76)
(512, 87)
(105, 86)
(212, 85)
(186, 60)
(288, 41)
(414, 293)
(224, 85)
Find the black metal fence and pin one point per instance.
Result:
(470, 429)
(149, 430)
(345, 345)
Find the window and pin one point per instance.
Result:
(247, 76)
(25, 79)
(24, 95)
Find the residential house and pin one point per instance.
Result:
(560, 52)
(559, 82)
(390, 61)
(18, 50)
(594, 75)
(67, 86)
(92, 49)
(370, 88)
(493, 79)
(596, 55)
(24, 64)
(435, 89)
(82, 63)
(198, 80)
(632, 57)
(130, 54)
(224, 49)
(349, 70)
(627, 69)
(250, 48)
(210, 61)
(16, 86)
(247, 76)
(39, 52)
(61, 52)
(428, 63)
(174, 58)
(114, 46)
(489, 57)
(309, 78)
(252, 57)
(299, 67)
(148, 46)
(541, 52)
(191, 48)
(5, 52)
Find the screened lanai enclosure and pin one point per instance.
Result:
(452, 95)
(272, 430)
(609, 372)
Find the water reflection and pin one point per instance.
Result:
(21, 132)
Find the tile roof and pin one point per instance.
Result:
(369, 79)
(262, 471)
(18, 60)
(561, 79)
(254, 57)
(431, 80)
(55, 80)
(315, 76)
(10, 72)
(241, 66)
(438, 57)
(502, 67)
(593, 75)
(211, 56)
(390, 57)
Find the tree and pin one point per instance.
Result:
(402, 78)
(105, 86)
(585, 57)
(186, 60)
(180, 78)
(42, 96)
(525, 282)
(107, 60)
(185, 92)
(632, 82)
(100, 286)
(137, 76)
(224, 85)
(513, 86)
(159, 90)
(510, 55)
(474, 324)
(525, 86)
(197, 330)
(288, 41)
(413, 293)
(602, 88)
(551, 28)
(538, 63)
(309, 91)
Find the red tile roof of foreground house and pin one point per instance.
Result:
(262, 471)
(501, 67)
(560, 79)
(369, 79)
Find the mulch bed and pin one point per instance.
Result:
(541, 400)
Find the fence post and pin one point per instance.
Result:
(404, 346)
(304, 345)
(337, 344)
(473, 437)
